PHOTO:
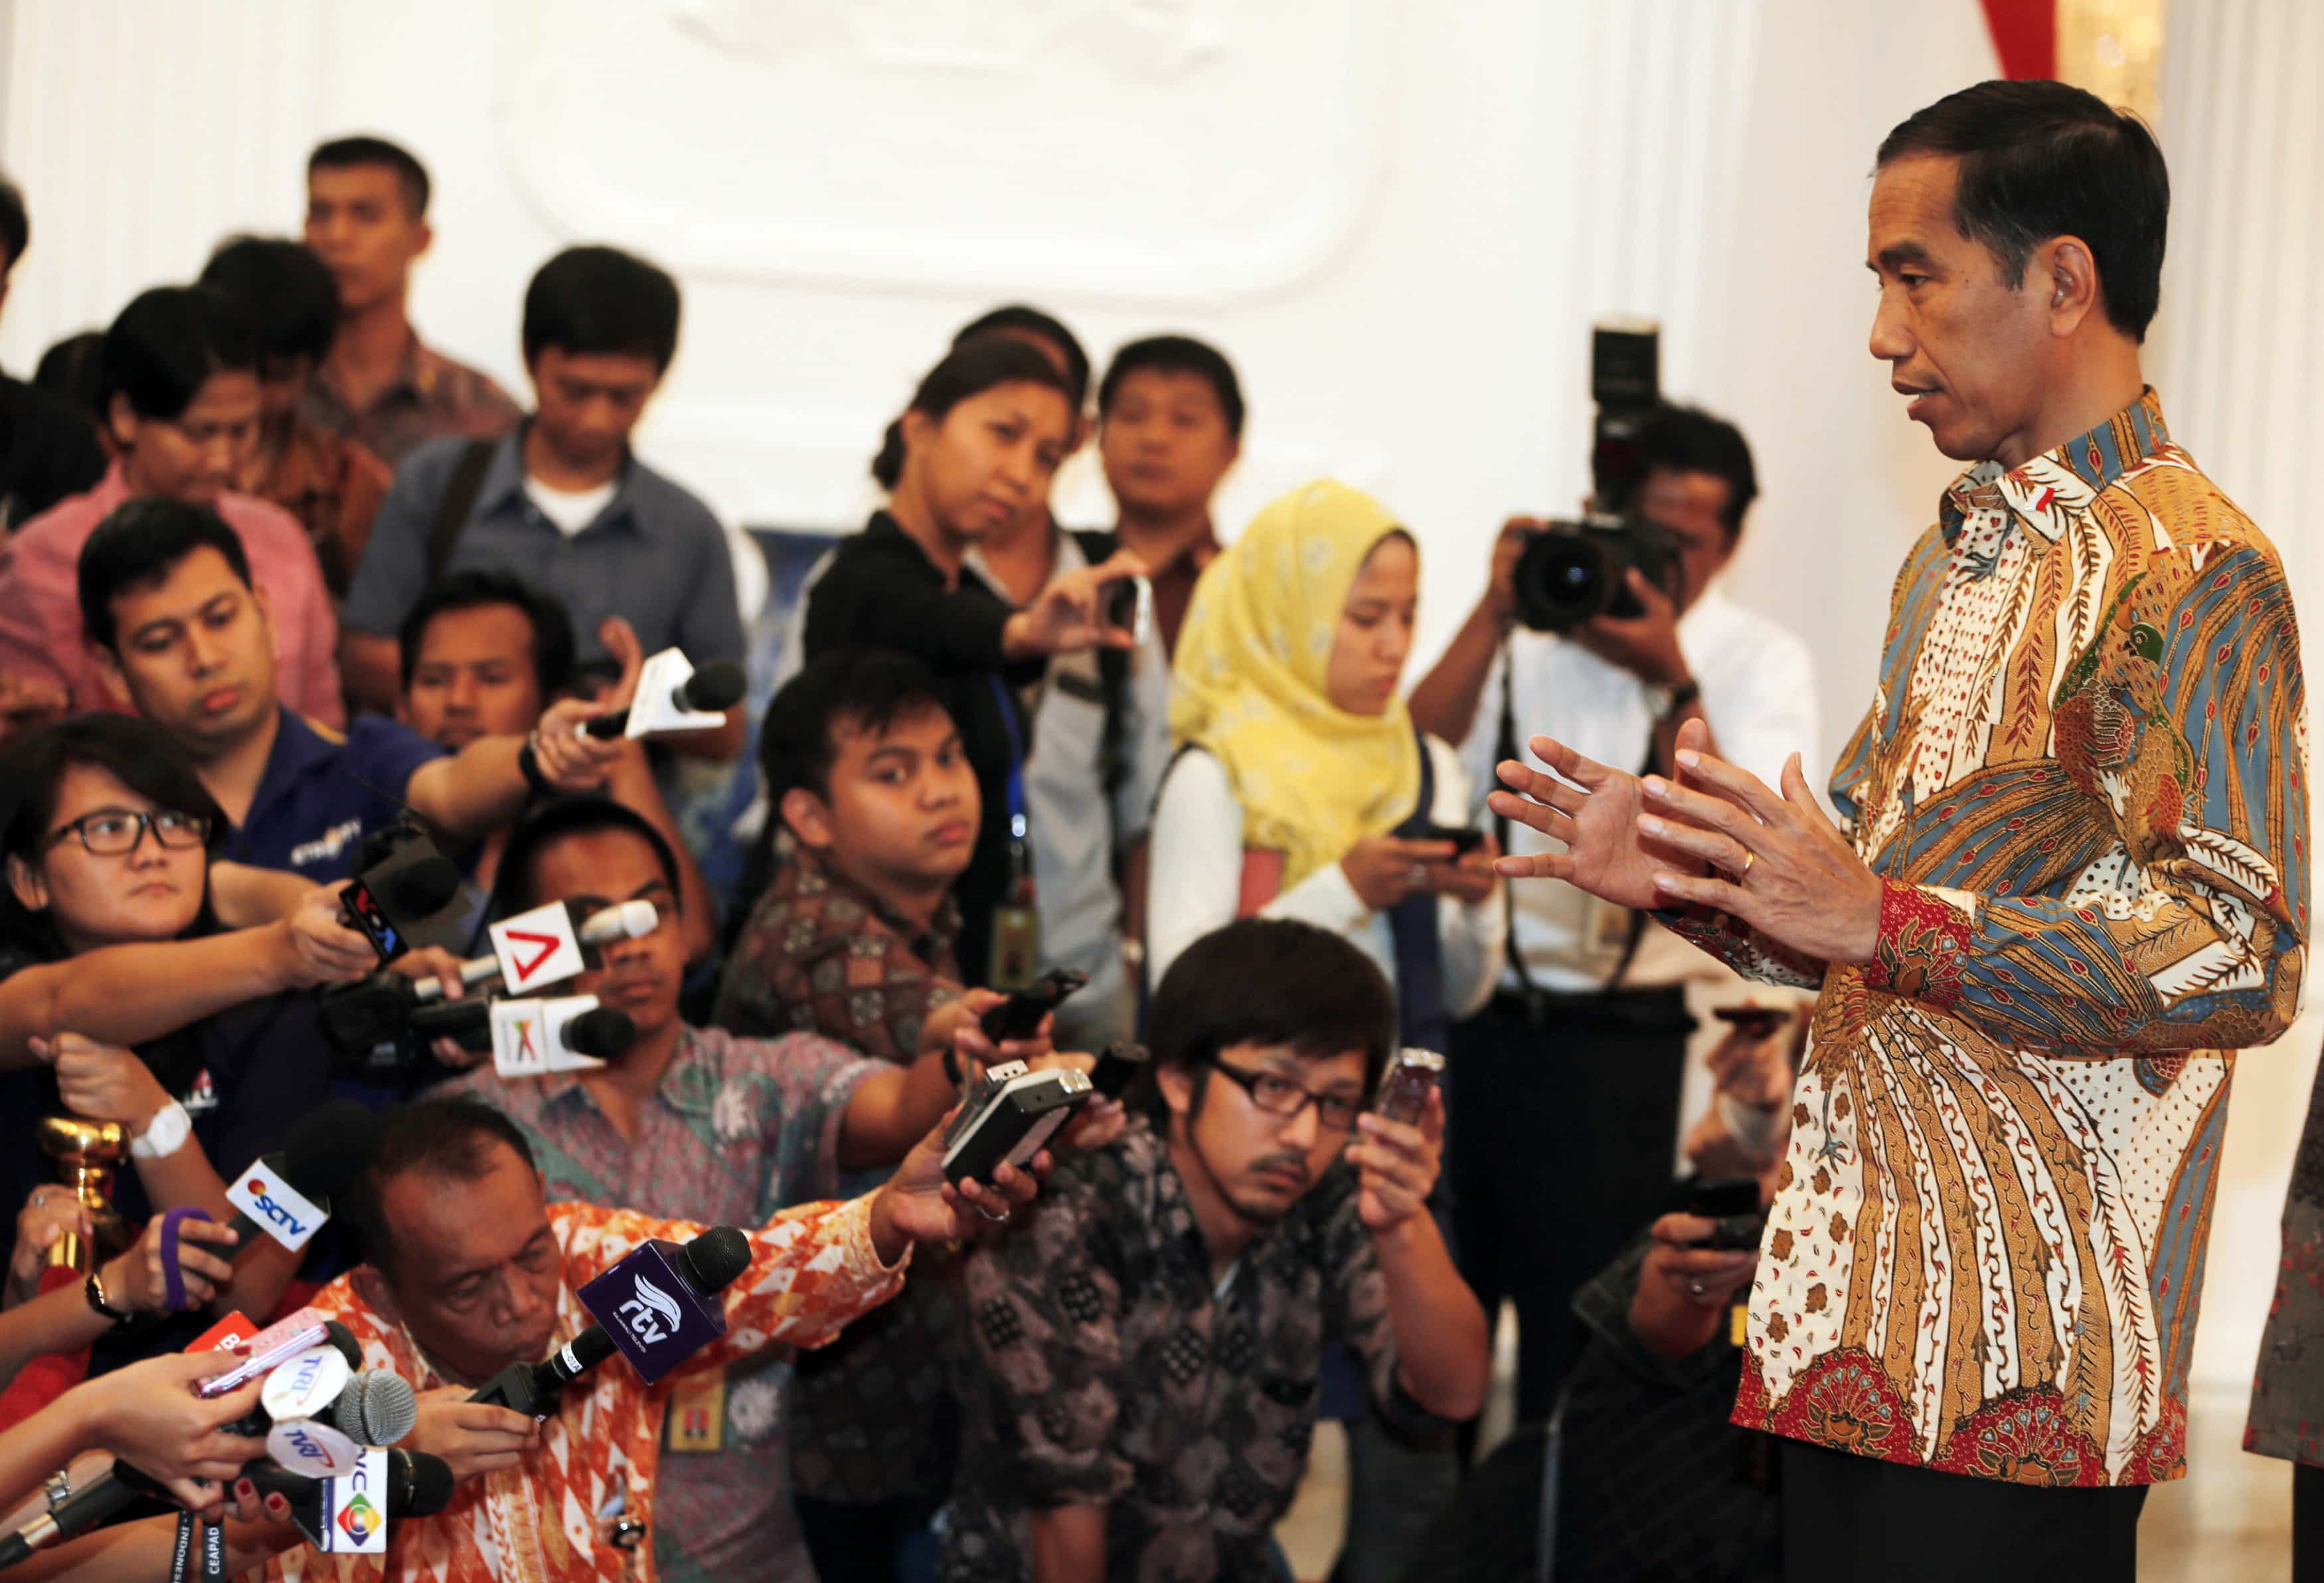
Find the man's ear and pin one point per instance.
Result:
(116, 681)
(809, 817)
(377, 1292)
(1178, 1088)
(30, 890)
(2072, 277)
(121, 422)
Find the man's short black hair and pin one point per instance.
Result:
(140, 542)
(601, 300)
(2040, 160)
(864, 689)
(584, 814)
(1177, 354)
(1269, 981)
(348, 154)
(15, 225)
(1687, 439)
(447, 1135)
(165, 346)
(281, 290)
(1022, 320)
(478, 587)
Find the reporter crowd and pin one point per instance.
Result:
(327, 670)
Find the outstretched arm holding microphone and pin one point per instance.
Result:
(65, 1320)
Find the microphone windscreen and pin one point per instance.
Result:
(328, 1148)
(426, 886)
(418, 1485)
(716, 1257)
(603, 1033)
(337, 1336)
(716, 686)
(377, 1408)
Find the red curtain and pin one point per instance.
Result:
(2024, 35)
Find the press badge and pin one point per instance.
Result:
(697, 1414)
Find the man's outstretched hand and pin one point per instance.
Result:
(919, 1205)
(1595, 812)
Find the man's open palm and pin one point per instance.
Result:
(1597, 818)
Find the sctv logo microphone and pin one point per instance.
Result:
(274, 1206)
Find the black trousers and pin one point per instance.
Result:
(1848, 1517)
(1560, 1150)
(2307, 1522)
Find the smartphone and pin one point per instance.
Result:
(1733, 1204)
(1406, 1085)
(1116, 1069)
(1465, 840)
(1019, 1017)
(1129, 607)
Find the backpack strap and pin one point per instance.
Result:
(1097, 548)
(459, 499)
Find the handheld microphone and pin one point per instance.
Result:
(401, 883)
(376, 1403)
(657, 1307)
(712, 690)
(628, 920)
(583, 1028)
(350, 1511)
(288, 1195)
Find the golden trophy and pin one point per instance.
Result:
(87, 1153)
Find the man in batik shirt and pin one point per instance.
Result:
(2071, 881)
(468, 1268)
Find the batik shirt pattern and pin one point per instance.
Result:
(544, 1521)
(2083, 784)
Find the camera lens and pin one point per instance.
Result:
(1562, 579)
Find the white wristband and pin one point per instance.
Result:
(165, 1135)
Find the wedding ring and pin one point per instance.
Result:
(1750, 858)
(1419, 875)
(1695, 1287)
(999, 1219)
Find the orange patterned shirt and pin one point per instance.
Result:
(813, 1269)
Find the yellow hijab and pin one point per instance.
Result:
(1312, 779)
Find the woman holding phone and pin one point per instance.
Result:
(1301, 789)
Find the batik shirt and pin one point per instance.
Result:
(2083, 785)
(545, 1519)
(821, 954)
(1103, 1364)
(736, 1129)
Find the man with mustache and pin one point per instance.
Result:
(1142, 1367)
(2070, 881)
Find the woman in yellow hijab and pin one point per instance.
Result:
(1298, 790)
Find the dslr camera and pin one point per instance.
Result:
(1575, 570)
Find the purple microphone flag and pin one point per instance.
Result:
(651, 1311)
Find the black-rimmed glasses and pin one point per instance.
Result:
(110, 832)
(1279, 1096)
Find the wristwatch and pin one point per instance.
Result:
(1666, 702)
(163, 1135)
(528, 764)
(94, 1290)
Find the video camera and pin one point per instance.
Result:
(1574, 570)
(404, 892)
(383, 1025)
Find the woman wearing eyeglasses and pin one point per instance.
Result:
(109, 940)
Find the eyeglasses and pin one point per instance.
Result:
(110, 832)
(1279, 1096)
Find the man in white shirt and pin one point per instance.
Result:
(1567, 1083)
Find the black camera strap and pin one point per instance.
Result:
(1506, 747)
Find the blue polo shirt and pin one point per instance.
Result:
(313, 808)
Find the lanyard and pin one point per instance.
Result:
(1016, 756)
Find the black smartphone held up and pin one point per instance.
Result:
(1019, 1017)
(1406, 1085)
(1129, 607)
(1733, 1204)
(1465, 840)
(1118, 1068)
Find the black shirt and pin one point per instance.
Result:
(882, 591)
(48, 451)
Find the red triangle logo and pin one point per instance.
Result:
(548, 944)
